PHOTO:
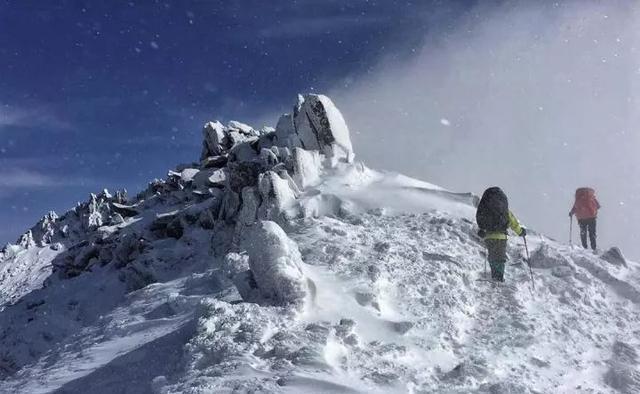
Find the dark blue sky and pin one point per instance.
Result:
(109, 94)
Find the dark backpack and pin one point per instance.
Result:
(493, 210)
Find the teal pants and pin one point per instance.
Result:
(497, 256)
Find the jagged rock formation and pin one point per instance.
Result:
(244, 176)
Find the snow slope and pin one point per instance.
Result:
(278, 263)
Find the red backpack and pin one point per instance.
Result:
(586, 205)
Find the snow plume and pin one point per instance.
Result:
(539, 97)
(36, 116)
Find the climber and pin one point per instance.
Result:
(586, 208)
(494, 218)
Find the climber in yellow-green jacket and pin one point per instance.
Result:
(513, 224)
(494, 219)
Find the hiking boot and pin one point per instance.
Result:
(497, 277)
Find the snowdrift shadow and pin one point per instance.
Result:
(135, 371)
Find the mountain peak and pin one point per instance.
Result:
(276, 263)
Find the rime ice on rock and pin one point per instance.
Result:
(44, 231)
(275, 262)
(316, 124)
(214, 136)
(277, 196)
(26, 240)
(275, 164)
(306, 167)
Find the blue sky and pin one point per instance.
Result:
(539, 97)
(113, 94)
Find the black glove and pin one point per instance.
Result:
(523, 233)
(481, 233)
(571, 214)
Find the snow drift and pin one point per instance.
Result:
(277, 263)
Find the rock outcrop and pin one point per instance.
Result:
(244, 176)
(275, 267)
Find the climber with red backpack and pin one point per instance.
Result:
(494, 219)
(586, 208)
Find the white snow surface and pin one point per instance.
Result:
(330, 279)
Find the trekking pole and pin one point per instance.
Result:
(526, 249)
(571, 232)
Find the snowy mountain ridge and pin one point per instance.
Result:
(277, 263)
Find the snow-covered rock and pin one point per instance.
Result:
(250, 202)
(547, 257)
(275, 264)
(26, 240)
(277, 197)
(318, 125)
(285, 131)
(215, 177)
(306, 167)
(45, 230)
(243, 128)
(614, 256)
(213, 141)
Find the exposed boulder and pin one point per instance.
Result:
(230, 206)
(242, 174)
(213, 177)
(128, 248)
(175, 228)
(250, 202)
(214, 162)
(286, 131)
(167, 225)
(124, 210)
(246, 151)
(206, 220)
